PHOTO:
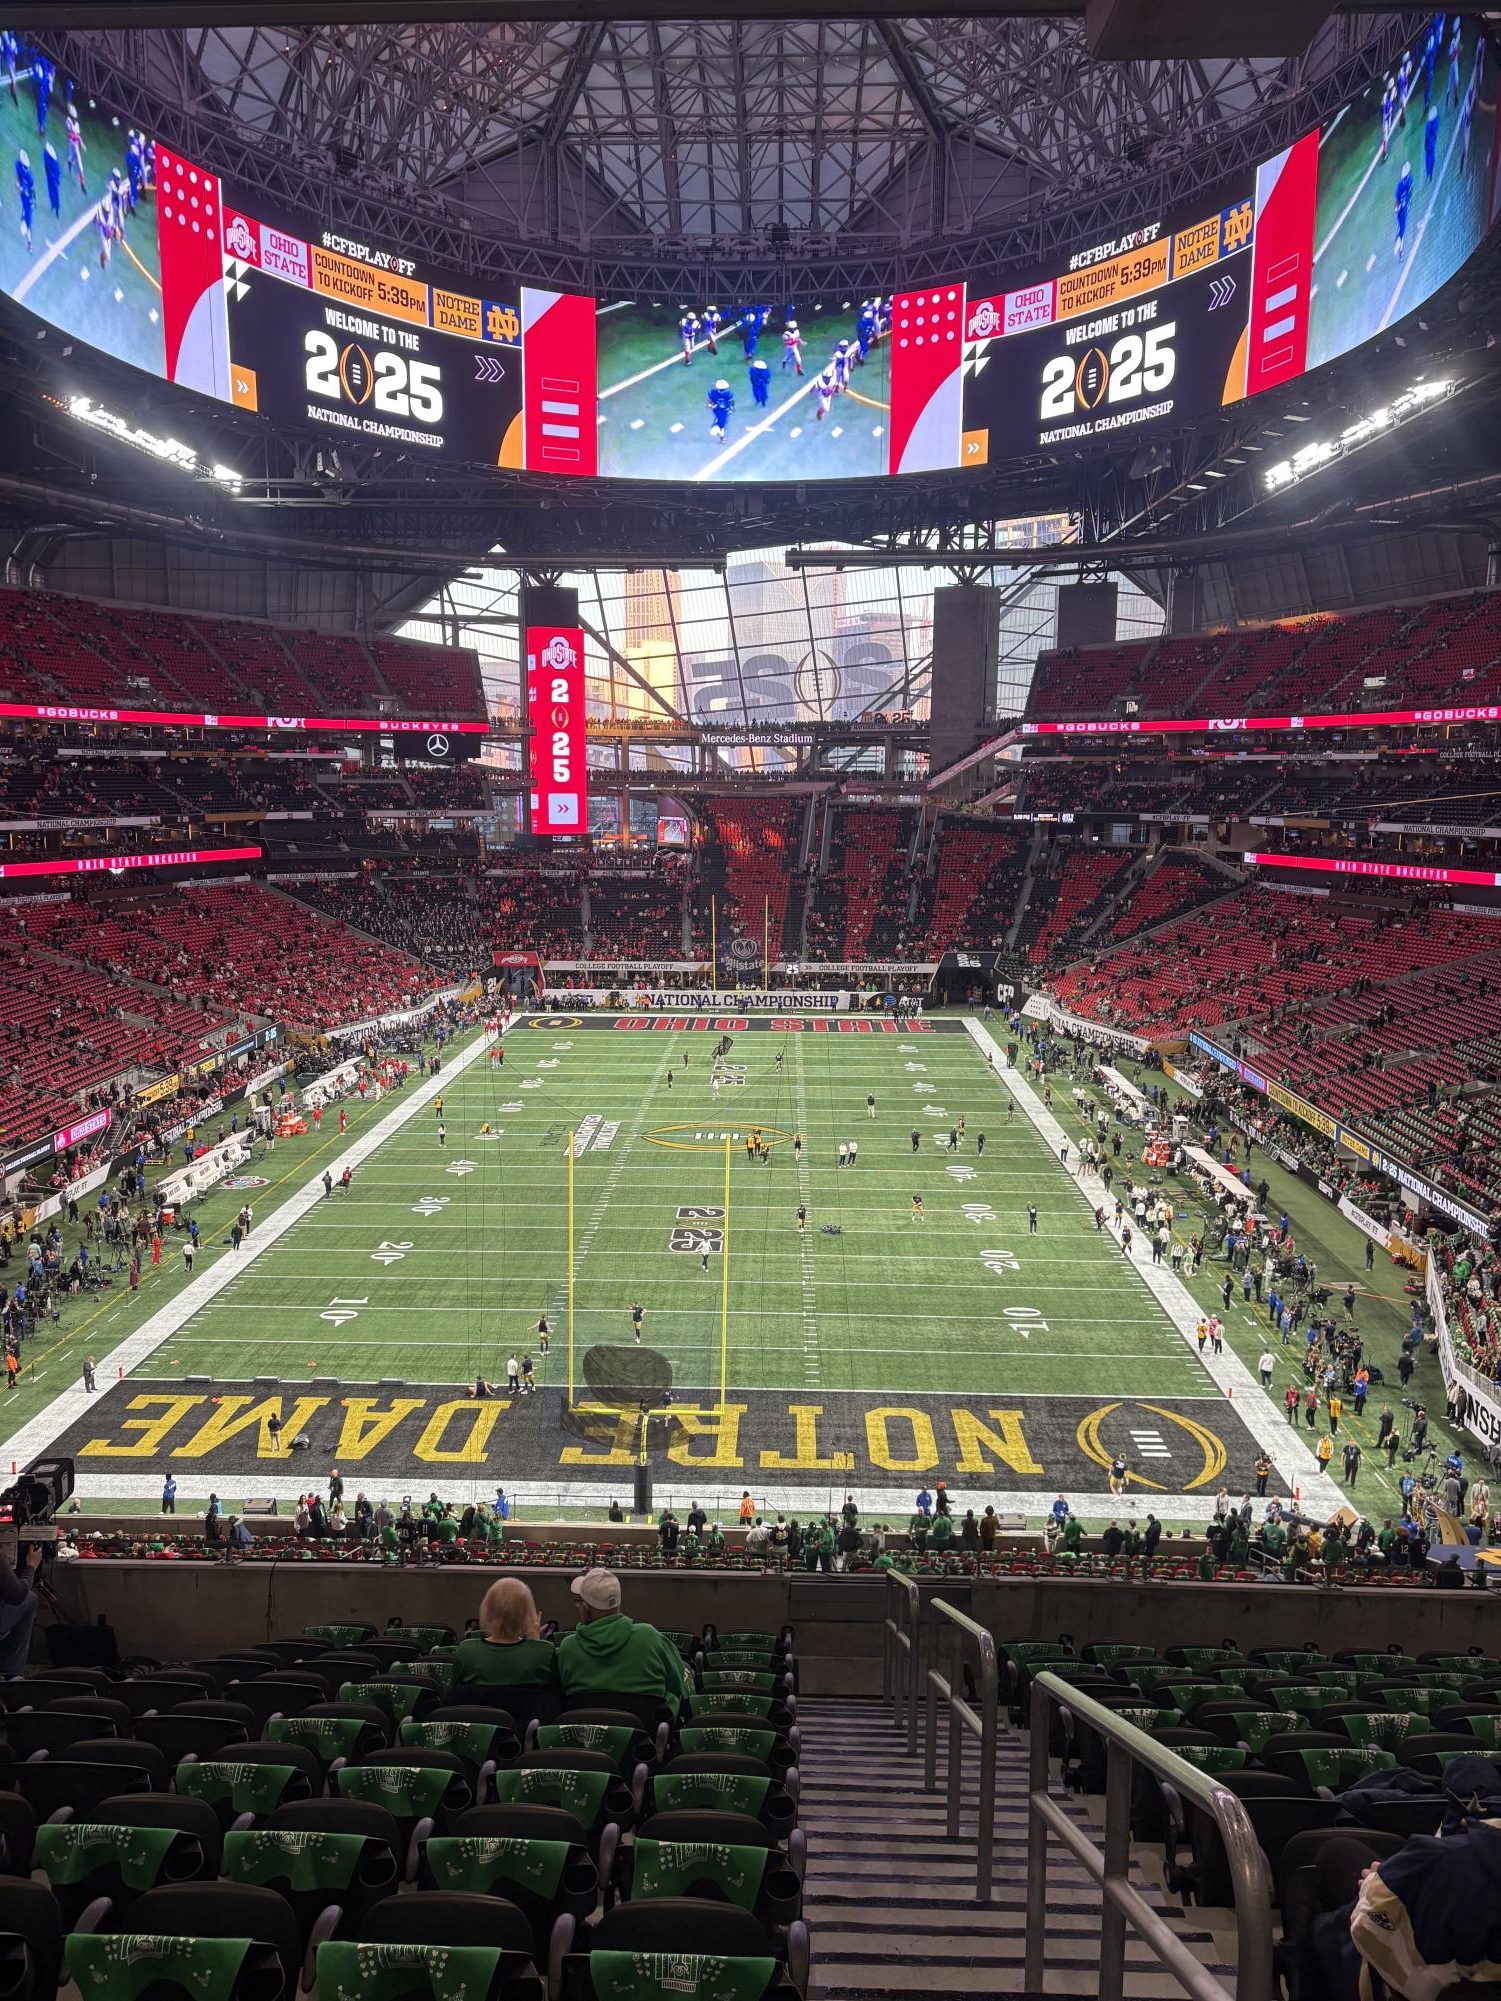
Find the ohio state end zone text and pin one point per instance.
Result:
(392, 1440)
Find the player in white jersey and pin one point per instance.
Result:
(711, 325)
(104, 222)
(1456, 45)
(688, 335)
(75, 151)
(841, 362)
(792, 346)
(823, 388)
(1388, 114)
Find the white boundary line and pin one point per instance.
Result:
(1267, 1426)
(893, 1503)
(39, 1432)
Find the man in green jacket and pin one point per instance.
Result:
(607, 1653)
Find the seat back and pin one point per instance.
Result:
(257, 1778)
(1327, 1767)
(31, 1940)
(583, 1783)
(312, 1868)
(57, 1784)
(413, 1783)
(221, 1911)
(82, 1860)
(544, 1875)
(476, 1744)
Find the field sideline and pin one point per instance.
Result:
(872, 1352)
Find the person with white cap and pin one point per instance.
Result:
(608, 1653)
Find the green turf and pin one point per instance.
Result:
(439, 1262)
(1362, 285)
(654, 421)
(892, 1303)
(59, 277)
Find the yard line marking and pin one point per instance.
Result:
(1410, 253)
(732, 451)
(1267, 1425)
(38, 1433)
(672, 361)
(811, 1366)
(602, 1202)
(53, 251)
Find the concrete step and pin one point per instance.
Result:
(890, 1898)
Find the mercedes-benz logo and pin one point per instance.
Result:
(437, 746)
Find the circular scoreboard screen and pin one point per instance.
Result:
(146, 255)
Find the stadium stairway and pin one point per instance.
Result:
(1024, 895)
(890, 1901)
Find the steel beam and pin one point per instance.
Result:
(36, 14)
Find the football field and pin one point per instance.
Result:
(58, 273)
(654, 420)
(1363, 284)
(876, 1349)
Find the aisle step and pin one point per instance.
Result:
(890, 1899)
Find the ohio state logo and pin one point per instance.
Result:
(557, 653)
(238, 240)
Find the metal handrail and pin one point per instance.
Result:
(899, 1682)
(1125, 1747)
(964, 1719)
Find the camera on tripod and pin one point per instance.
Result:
(29, 1506)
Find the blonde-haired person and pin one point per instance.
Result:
(508, 1651)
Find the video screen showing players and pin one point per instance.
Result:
(1406, 186)
(78, 235)
(724, 389)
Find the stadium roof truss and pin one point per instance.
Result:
(555, 148)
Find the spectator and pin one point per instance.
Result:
(607, 1653)
(509, 1650)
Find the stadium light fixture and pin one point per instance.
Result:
(1324, 451)
(167, 451)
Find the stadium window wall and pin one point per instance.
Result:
(758, 644)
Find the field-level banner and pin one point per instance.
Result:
(1343, 1136)
(1476, 1400)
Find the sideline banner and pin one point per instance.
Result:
(1364, 1221)
(657, 969)
(397, 1018)
(1039, 1007)
(1344, 1137)
(1475, 1400)
(718, 1000)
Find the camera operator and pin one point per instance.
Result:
(18, 1605)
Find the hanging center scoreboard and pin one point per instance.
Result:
(1300, 258)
